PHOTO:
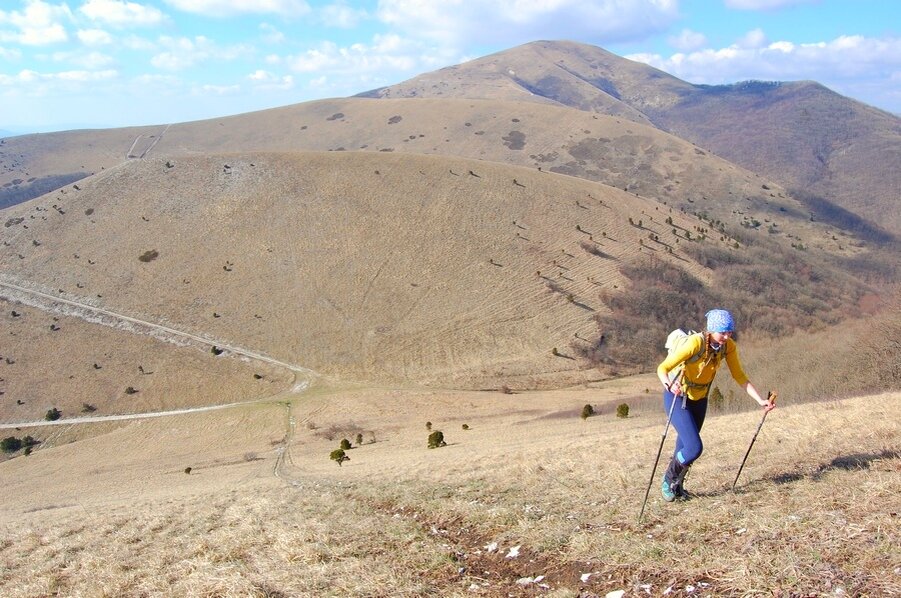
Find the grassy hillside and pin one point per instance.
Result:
(802, 135)
(212, 307)
(371, 266)
(529, 500)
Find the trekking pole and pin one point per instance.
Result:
(669, 418)
(771, 396)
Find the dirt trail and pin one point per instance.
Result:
(303, 377)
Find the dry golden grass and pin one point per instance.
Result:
(266, 513)
(364, 266)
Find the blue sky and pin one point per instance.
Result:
(115, 63)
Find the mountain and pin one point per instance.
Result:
(446, 240)
(841, 156)
(550, 138)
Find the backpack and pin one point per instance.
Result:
(676, 339)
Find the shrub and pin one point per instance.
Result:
(149, 256)
(359, 439)
(716, 399)
(188, 470)
(130, 390)
(622, 410)
(345, 444)
(338, 456)
(10, 444)
(587, 411)
(436, 439)
(53, 414)
(428, 426)
(465, 426)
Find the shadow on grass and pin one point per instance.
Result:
(844, 462)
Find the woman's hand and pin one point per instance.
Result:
(770, 402)
(675, 388)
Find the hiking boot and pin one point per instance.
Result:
(681, 493)
(667, 489)
(677, 487)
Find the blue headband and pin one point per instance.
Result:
(720, 320)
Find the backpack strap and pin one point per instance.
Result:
(701, 353)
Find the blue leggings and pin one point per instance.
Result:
(687, 421)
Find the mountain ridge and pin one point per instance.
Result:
(783, 129)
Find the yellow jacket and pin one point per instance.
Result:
(699, 373)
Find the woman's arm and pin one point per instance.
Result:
(767, 404)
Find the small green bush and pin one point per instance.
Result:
(622, 410)
(465, 426)
(587, 411)
(10, 444)
(338, 456)
(428, 426)
(345, 444)
(53, 414)
(359, 439)
(436, 439)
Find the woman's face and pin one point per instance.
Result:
(720, 337)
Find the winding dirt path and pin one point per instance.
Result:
(303, 377)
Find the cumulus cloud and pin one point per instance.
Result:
(182, 52)
(10, 54)
(94, 37)
(87, 60)
(219, 90)
(266, 81)
(341, 15)
(846, 64)
(270, 34)
(507, 22)
(386, 53)
(40, 23)
(223, 8)
(766, 4)
(120, 13)
(688, 40)
(755, 38)
(39, 83)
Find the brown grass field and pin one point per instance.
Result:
(264, 512)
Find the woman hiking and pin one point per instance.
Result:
(687, 374)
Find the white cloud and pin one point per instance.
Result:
(341, 15)
(766, 4)
(387, 53)
(94, 37)
(87, 60)
(30, 78)
(755, 38)
(10, 54)
(137, 43)
(688, 40)
(219, 90)
(181, 52)
(120, 13)
(270, 34)
(506, 22)
(38, 24)
(846, 64)
(264, 80)
(222, 8)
